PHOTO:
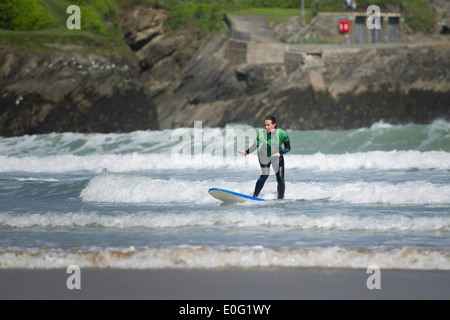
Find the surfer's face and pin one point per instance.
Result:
(269, 125)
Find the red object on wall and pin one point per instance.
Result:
(344, 26)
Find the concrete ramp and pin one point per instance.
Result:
(255, 25)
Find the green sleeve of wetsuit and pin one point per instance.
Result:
(284, 140)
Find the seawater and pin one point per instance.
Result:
(354, 198)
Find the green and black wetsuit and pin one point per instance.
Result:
(267, 145)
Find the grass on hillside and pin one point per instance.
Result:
(36, 41)
(274, 15)
(416, 16)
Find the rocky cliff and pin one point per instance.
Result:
(337, 89)
(67, 91)
(177, 77)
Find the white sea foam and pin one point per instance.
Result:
(373, 160)
(117, 188)
(241, 219)
(408, 193)
(206, 257)
(137, 189)
(36, 179)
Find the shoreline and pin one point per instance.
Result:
(224, 284)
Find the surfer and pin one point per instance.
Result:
(272, 139)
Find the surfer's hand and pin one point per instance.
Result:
(242, 152)
(276, 155)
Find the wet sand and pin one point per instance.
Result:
(279, 284)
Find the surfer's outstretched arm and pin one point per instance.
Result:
(252, 148)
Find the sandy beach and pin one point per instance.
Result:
(279, 284)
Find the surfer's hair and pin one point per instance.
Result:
(271, 118)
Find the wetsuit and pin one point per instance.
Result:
(267, 145)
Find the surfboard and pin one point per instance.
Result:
(228, 196)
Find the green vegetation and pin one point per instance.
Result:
(275, 15)
(31, 23)
(100, 29)
(417, 15)
(96, 13)
(207, 17)
(25, 15)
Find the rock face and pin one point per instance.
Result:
(343, 89)
(177, 77)
(161, 53)
(442, 10)
(66, 91)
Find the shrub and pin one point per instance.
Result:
(206, 17)
(24, 15)
(418, 16)
(92, 20)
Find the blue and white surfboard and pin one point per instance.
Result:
(228, 196)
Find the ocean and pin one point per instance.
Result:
(355, 198)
